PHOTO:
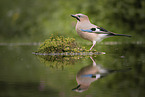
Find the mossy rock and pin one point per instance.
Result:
(60, 44)
(58, 51)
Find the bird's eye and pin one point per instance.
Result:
(79, 16)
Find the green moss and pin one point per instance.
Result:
(59, 62)
(60, 44)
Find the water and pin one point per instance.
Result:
(118, 73)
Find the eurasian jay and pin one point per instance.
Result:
(91, 32)
(89, 74)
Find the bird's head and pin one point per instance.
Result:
(80, 17)
(81, 88)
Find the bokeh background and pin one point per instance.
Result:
(28, 21)
(36, 20)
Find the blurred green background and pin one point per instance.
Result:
(36, 20)
(25, 21)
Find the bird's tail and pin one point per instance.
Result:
(122, 35)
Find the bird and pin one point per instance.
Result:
(89, 74)
(93, 72)
(91, 32)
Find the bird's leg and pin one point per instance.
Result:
(94, 63)
(94, 42)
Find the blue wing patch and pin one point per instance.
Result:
(87, 30)
(88, 75)
(91, 30)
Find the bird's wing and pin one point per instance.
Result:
(92, 75)
(98, 30)
(86, 30)
(102, 29)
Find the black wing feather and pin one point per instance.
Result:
(102, 29)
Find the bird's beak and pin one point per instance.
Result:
(74, 89)
(75, 17)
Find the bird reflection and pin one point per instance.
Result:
(89, 74)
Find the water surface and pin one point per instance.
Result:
(118, 73)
